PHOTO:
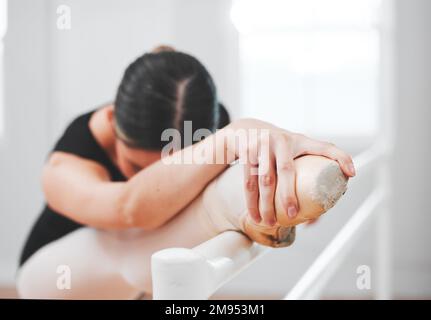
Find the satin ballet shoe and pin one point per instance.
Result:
(319, 185)
(275, 236)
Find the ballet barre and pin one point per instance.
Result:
(180, 273)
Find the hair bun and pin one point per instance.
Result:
(224, 117)
(162, 48)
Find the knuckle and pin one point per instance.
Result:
(267, 180)
(294, 139)
(253, 211)
(277, 138)
(287, 138)
(288, 201)
(349, 159)
(346, 159)
(291, 200)
(267, 214)
(250, 184)
(286, 166)
(269, 219)
(342, 157)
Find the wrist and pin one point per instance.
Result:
(242, 134)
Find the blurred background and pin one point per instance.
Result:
(346, 71)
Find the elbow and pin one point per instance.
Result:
(132, 215)
(132, 218)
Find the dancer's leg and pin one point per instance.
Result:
(107, 264)
(319, 184)
(92, 267)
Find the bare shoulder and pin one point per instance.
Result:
(101, 127)
(75, 165)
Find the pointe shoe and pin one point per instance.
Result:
(319, 184)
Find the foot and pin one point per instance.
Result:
(319, 184)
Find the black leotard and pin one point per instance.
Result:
(51, 225)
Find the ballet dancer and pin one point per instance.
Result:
(113, 199)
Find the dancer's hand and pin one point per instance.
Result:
(269, 161)
(311, 222)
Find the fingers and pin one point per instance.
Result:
(251, 185)
(311, 221)
(343, 159)
(267, 183)
(331, 151)
(252, 191)
(260, 182)
(286, 177)
(270, 163)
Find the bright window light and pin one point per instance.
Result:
(310, 65)
(3, 28)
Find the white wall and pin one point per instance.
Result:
(24, 144)
(53, 75)
(411, 174)
(88, 61)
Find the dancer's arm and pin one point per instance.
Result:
(82, 190)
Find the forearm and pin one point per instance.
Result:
(157, 193)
